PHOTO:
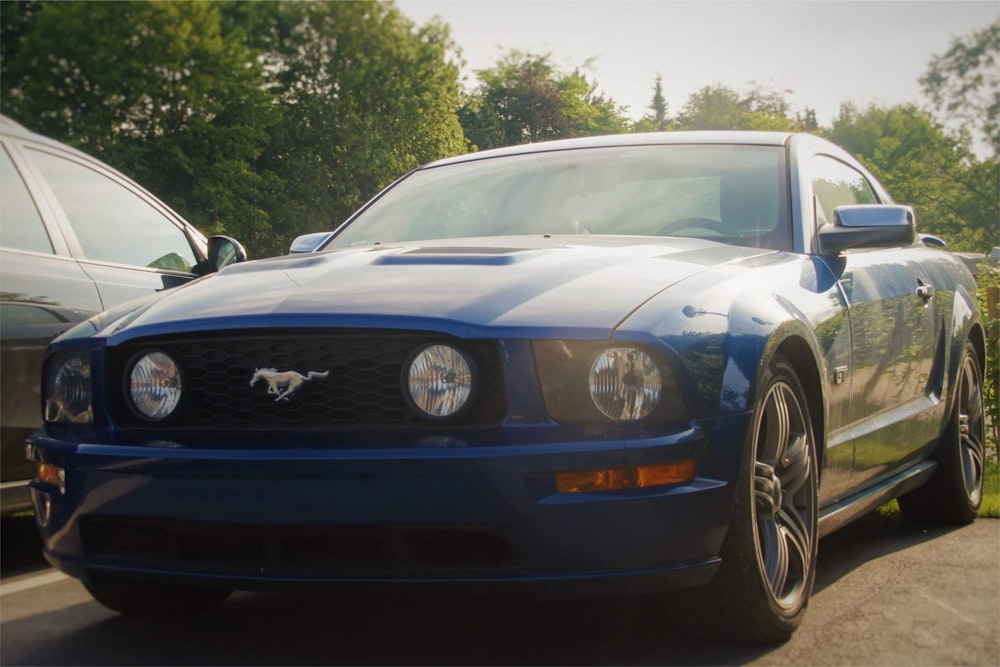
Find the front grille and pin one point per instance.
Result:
(299, 550)
(363, 388)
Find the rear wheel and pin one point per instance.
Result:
(955, 490)
(143, 598)
(769, 554)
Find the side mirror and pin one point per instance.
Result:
(309, 242)
(867, 226)
(223, 251)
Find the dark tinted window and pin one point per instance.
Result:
(15, 314)
(21, 226)
(112, 223)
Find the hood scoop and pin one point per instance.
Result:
(481, 256)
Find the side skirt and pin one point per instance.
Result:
(844, 511)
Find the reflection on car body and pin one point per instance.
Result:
(77, 238)
(591, 367)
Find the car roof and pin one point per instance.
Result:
(12, 128)
(748, 138)
(8, 124)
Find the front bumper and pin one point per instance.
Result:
(478, 517)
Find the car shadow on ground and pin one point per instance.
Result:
(327, 627)
(868, 538)
(20, 546)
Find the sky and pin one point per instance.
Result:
(826, 52)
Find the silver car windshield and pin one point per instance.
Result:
(728, 193)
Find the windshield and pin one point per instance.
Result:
(734, 194)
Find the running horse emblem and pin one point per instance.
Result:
(284, 383)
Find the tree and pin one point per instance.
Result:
(16, 20)
(153, 88)
(262, 120)
(657, 120)
(953, 194)
(525, 98)
(719, 107)
(806, 120)
(363, 96)
(963, 84)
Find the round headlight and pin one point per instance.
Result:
(439, 381)
(68, 392)
(155, 385)
(625, 383)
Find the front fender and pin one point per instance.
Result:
(725, 326)
(761, 330)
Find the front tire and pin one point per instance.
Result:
(143, 598)
(769, 555)
(954, 492)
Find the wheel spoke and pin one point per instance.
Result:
(765, 491)
(974, 407)
(775, 555)
(795, 465)
(973, 456)
(780, 424)
(797, 535)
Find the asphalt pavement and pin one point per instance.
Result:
(888, 592)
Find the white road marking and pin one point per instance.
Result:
(950, 609)
(32, 582)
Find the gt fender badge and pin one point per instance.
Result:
(284, 383)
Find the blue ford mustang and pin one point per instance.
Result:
(593, 367)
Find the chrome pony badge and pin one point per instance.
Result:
(284, 383)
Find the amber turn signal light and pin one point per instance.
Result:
(627, 477)
(51, 474)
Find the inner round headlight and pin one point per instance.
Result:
(439, 381)
(155, 385)
(625, 383)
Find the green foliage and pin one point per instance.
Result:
(963, 84)
(261, 120)
(16, 20)
(954, 194)
(361, 96)
(719, 107)
(525, 98)
(657, 120)
(988, 296)
(175, 112)
(991, 491)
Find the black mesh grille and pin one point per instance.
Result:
(311, 550)
(363, 387)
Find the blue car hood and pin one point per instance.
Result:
(515, 286)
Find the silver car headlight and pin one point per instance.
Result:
(598, 382)
(625, 383)
(155, 385)
(439, 381)
(68, 389)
